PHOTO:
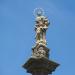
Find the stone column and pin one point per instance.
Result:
(39, 63)
(40, 73)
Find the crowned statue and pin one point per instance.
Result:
(41, 27)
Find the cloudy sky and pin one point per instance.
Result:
(17, 34)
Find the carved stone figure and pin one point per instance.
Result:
(40, 52)
(41, 27)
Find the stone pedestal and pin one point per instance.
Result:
(40, 66)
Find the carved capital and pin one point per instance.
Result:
(40, 51)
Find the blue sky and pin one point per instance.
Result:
(17, 34)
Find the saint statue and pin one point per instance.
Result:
(40, 28)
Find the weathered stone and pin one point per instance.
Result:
(40, 65)
(40, 51)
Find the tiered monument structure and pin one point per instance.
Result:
(39, 63)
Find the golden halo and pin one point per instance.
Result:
(38, 12)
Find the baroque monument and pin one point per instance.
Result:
(39, 63)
